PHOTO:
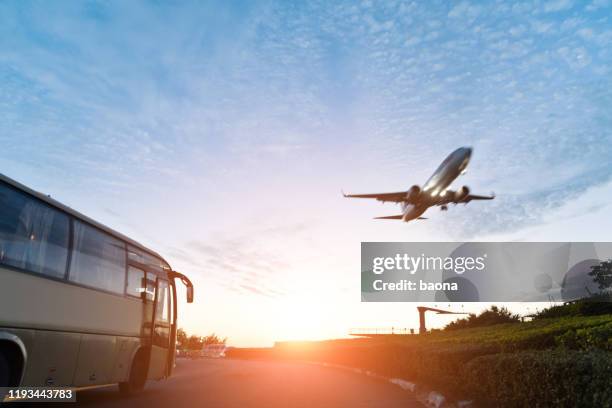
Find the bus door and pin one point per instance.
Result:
(172, 349)
(160, 342)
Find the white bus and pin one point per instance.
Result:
(80, 304)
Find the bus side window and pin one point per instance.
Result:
(161, 333)
(135, 282)
(98, 259)
(150, 287)
(163, 309)
(33, 235)
(171, 301)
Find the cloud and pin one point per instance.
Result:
(557, 5)
(598, 4)
(114, 100)
(465, 10)
(257, 261)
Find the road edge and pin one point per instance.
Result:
(426, 396)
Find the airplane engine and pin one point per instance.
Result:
(462, 193)
(414, 192)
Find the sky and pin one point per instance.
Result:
(220, 134)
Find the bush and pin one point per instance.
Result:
(599, 337)
(438, 366)
(595, 305)
(490, 317)
(551, 378)
(537, 334)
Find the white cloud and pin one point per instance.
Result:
(465, 10)
(558, 5)
(598, 4)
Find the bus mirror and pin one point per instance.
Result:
(189, 294)
(186, 282)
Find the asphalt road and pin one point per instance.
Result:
(240, 383)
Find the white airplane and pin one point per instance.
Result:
(417, 200)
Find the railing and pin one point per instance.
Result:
(380, 331)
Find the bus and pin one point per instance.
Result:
(81, 305)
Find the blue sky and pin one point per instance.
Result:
(221, 133)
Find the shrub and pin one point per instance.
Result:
(597, 304)
(439, 366)
(602, 274)
(492, 316)
(599, 337)
(551, 378)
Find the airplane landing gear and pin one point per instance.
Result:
(444, 207)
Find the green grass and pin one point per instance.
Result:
(534, 334)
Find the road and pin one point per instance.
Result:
(244, 384)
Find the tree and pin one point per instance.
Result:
(181, 338)
(194, 342)
(213, 339)
(491, 316)
(602, 274)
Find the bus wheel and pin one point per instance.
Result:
(138, 375)
(5, 373)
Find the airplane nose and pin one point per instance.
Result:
(468, 151)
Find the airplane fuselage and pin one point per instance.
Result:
(454, 164)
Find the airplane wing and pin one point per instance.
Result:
(397, 197)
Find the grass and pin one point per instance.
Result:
(539, 333)
(536, 334)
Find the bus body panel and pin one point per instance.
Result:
(73, 335)
(126, 349)
(158, 362)
(74, 359)
(96, 357)
(35, 302)
(52, 359)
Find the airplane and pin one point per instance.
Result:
(417, 200)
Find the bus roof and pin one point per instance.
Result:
(54, 203)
